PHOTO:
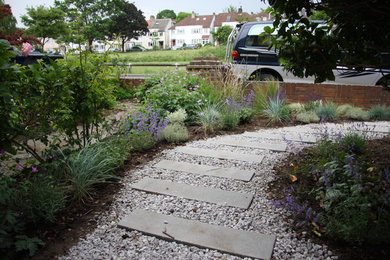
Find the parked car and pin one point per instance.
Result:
(136, 48)
(252, 60)
(190, 46)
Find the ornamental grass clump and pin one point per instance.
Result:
(208, 117)
(275, 108)
(378, 112)
(327, 112)
(87, 168)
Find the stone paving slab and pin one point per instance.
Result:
(281, 147)
(212, 195)
(221, 154)
(233, 241)
(291, 136)
(231, 173)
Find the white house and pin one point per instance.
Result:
(196, 29)
(158, 36)
(193, 29)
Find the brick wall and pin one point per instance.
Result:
(362, 96)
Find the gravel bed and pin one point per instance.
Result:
(108, 241)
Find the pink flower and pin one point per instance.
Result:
(26, 48)
(20, 167)
(34, 169)
(2, 151)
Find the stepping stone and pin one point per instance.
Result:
(291, 136)
(281, 147)
(221, 154)
(217, 196)
(229, 240)
(232, 173)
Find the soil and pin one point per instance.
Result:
(79, 219)
(378, 151)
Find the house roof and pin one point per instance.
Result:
(202, 20)
(160, 24)
(232, 17)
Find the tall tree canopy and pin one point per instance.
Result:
(89, 18)
(355, 34)
(166, 14)
(222, 34)
(45, 22)
(129, 24)
(181, 15)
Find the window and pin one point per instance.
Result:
(254, 38)
(205, 41)
(180, 31)
(161, 33)
(196, 30)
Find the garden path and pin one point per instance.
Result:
(209, 200)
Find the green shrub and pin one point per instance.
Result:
(40, 200)
(175, 90)
(378, 112)
(245, 115)
(343, 109)
(229, 120)
(357, 113)
(12, 223)
(308, 117)
(176, 133)
(88, 167)
(123, 93)
(177, 117)
(327, 112)
(142, 141)
(296, 107)
(209, 117)
(354, 143)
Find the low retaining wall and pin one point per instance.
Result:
(362, 96)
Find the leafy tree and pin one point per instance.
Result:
(129, 24)
(45, 22)
(89, 18)
(167, 13)
(355, 34)
(222, 34)
(230, 9)
(319, 15)
(7, 20)
(181, 15)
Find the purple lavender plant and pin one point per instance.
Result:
(148, 121)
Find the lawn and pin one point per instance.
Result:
(170, 56)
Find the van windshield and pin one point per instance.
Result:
(254, 39)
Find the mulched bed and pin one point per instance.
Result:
(78, 220)
(379, 151)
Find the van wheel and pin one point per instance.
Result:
(258, 76)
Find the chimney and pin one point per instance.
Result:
(240, 10)
(193, 14)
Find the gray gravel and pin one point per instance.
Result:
(108, 241)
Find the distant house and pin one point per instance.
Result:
(158, 36)
(193, 29)
(196, 29)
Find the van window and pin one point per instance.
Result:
(254, 39)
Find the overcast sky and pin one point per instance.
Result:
(152, 7)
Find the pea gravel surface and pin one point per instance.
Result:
(108, 241)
